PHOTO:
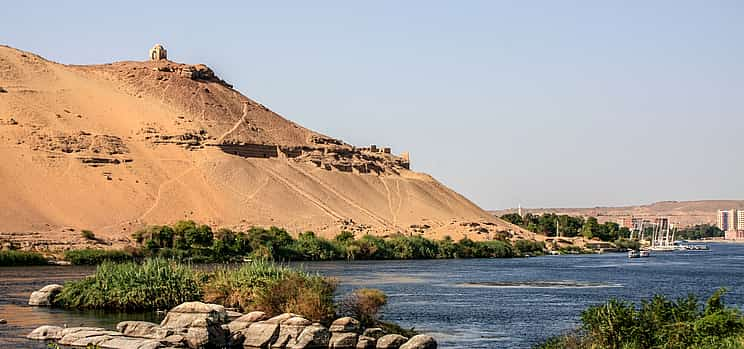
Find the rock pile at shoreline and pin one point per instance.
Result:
(202, 325)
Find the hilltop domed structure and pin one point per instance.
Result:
(158, 52)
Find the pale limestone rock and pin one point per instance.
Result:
(280, 318)
(345, 324)
(84, 337)
(420, 341)
(365, 342)
(130, 343)
(391, 341)
(260, 334)
(45, 295)
(143, 329)
(374, 332)
(202, 321)
(343, 340)
(200, 337)
(314, 336)
(246, 320)
(46, 333)
(289, 331)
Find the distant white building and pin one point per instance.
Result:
(724, 220)
(732, 222)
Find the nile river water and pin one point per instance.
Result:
(471, 303)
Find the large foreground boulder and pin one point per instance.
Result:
(130, 343)
(246, 320)
(194, 314)
(289, 331)
(345, 324)
(45, 295)
(260, 335)
(365, 342)
(420, 341)
(343, 340)
(85, 336)
(391, 341)
(202, 323)
(314, 336)
(374, 332)
(46, 333)
(144, 329)
(95, 336)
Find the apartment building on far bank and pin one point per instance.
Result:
(732, 223)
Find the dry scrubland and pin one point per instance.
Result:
(115, 147)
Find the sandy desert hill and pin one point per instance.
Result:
(114, 147)
(685, 213)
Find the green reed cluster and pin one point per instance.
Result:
(21, 258)
(153, 284)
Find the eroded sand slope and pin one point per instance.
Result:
(114, 147)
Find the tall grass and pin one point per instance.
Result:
(19, 258)
(272, 288)
(161, 284)
(91, 256)
(154, 284)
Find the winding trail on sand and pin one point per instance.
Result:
(240, 121)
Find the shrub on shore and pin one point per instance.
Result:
(364, 305)
(272, 288)
(154, 284)
(91, 256)
(657, 323)
(21, 258)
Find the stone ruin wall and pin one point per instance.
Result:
(332, 157)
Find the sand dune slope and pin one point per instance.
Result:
(114, 147)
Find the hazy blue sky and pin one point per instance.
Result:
(543, 103)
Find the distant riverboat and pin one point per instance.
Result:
(693, 247)
(639, 253)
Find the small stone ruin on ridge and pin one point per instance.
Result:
(158, 53)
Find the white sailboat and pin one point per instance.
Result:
(662, 239)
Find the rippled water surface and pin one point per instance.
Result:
(477, 303)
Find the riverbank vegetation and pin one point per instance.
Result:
(187, 240)
(699, 232)
(549, 224)
(90, 256)
(158, 284)
(657, 323)
(9, 258)
(130, 286)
